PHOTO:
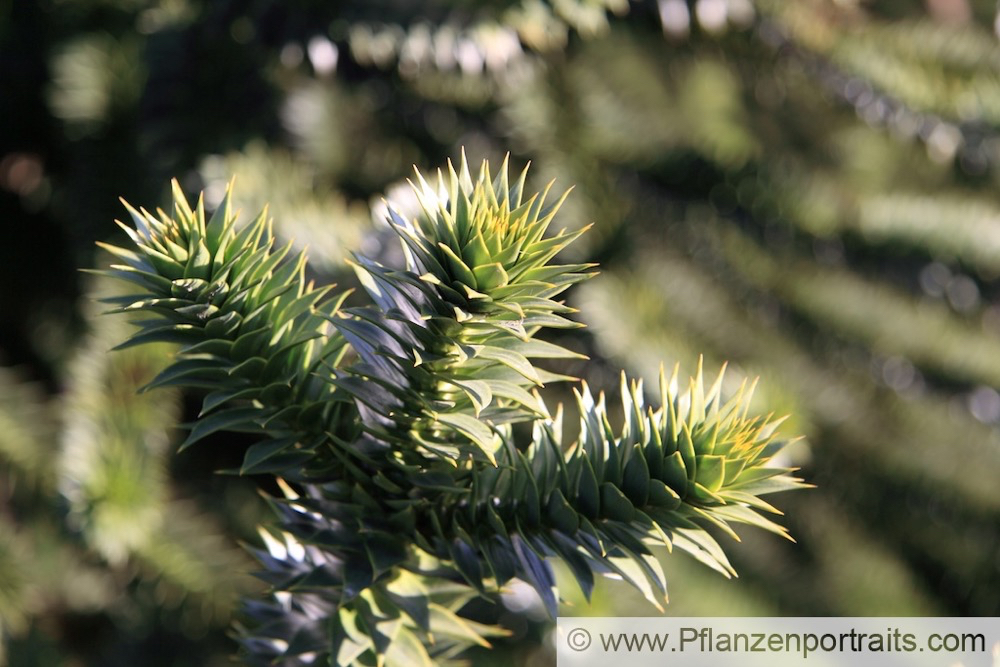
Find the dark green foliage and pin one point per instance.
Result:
(807, 189)
(397, 416)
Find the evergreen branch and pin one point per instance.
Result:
(692, 463)
(327, 608)
(445, 352)
(416, 496)
(252, 329)
(663, 479)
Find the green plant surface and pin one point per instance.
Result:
(805, 189)
(395, 421)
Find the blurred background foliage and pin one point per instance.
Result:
(806, 189)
